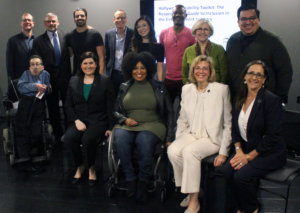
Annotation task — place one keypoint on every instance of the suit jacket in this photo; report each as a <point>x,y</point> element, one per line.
<point>17,56</point>
<point>110,48</point>
<point>60,74</point>
<point>99,105</point>
<point>263,131</point>
<point>217,116</point>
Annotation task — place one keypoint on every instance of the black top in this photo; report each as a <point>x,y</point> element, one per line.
<point>82,42</point>
<point>99,105</point>
<point>156,50</point>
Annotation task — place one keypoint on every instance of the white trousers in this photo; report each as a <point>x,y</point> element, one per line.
<point>186,154</point>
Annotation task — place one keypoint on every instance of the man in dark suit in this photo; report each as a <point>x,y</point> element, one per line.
<point>52,48</point>
<point>19,47</point>
<point>117,44</point>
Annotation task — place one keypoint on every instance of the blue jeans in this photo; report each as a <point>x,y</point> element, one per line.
<point>144,143</point>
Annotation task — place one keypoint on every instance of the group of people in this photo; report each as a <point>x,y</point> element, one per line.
<point>208,80</point>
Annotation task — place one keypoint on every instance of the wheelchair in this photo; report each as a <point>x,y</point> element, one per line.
<point>9,103</point>
<point>161,179</point>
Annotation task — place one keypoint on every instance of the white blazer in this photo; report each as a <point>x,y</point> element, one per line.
<point>217,117</point>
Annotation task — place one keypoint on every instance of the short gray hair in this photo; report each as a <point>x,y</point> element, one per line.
<point>198,24</point>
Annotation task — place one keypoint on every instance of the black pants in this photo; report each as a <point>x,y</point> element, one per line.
<point>117,79</point>
<point>173,88</point>
<point>243,184</point>
<point>53,108</point>
<point>28,126</point>
<point>73,138</point>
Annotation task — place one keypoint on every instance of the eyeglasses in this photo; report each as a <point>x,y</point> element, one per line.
<point>80,15</point>
<point>35,64</point>
<point>27,20</point>
<point>203,29</point>
<point>258,75</point>
<point>51,21</point>
<point>201,68</point>
<point>245,19</point>
<point>120,18</point>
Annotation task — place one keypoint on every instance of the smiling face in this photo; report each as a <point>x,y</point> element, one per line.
<point>80,18</point>
<point>120,19</point>
<point>202,72</point>
<point>255,77</point>
<point>248,22</point>
<point>88,66</point>
<point>143,28</point>
<point>203,33</point>
<point>51,23</point>
<point>178,16</point>
<point>27,23</point>
<point>36,66</point>
<point>139,72</point>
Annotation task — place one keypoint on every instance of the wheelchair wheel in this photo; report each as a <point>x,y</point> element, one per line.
<point>163,195</point>
<point>5,140</point>
<point>48,155</point>
<point>11,160</point>
<point>110,189</point>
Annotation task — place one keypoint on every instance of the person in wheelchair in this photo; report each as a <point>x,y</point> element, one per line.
<point>143,113</point>
<point>33,85</point>
<point>89,103</point>
<point>203,129</point>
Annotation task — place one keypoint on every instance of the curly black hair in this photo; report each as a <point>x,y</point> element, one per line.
<point>131,59</point>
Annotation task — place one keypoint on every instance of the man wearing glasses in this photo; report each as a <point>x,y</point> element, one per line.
<point>255,43</point>
<point>83,38</point>
<point>51,46</point>
<point>19,48</point>
<point>117,44</point>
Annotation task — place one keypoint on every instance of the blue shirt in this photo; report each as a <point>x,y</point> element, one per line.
<point>27,82</point>
<point>120,42</point>
<point>28,41</point>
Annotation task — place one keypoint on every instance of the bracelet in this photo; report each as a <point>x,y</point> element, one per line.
<point>248,157</point>
<point>237,147</point>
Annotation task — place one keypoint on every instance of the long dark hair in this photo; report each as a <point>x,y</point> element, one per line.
<point>243,92</point>
<point>137,39</point>
<point>84,56</point>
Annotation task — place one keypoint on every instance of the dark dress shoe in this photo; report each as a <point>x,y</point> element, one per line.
<point>131,185</point>
<point>92,182</point>
<point>141,194</point>
<point>76,180</point>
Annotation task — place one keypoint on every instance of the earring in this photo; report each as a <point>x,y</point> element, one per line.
<point>245,82</point>
<point>263,85</point>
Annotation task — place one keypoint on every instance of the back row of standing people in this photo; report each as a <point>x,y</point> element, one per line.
<point>176,43</point>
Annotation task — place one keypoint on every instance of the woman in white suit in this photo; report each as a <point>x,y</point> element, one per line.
<point>203,129</point>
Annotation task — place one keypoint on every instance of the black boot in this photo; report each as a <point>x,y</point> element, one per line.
<point>141,194</point>
<point>131,185</point>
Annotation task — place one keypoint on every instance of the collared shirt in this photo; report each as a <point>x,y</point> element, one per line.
<point>243,120</point>
<point>28,41</point>
<point>174,49</point>
<point>120,42</point>
<point>50,35</point>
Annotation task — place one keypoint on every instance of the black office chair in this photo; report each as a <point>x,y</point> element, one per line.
<point>280,182</point>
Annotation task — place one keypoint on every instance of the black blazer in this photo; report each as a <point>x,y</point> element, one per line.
<point>99,105</point>
<point>17,56</point>
<point>110,47</point>
<point>60,75</point>
<point>263,131</point>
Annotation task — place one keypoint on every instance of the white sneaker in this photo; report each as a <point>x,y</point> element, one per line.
<point>185,202</point>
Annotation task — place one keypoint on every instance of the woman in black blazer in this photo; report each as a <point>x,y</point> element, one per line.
<point>256,135</point>
<point>89,104</point>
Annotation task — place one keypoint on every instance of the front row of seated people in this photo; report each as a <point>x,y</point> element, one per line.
<point>144,118</point>
<point>33,85</point>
